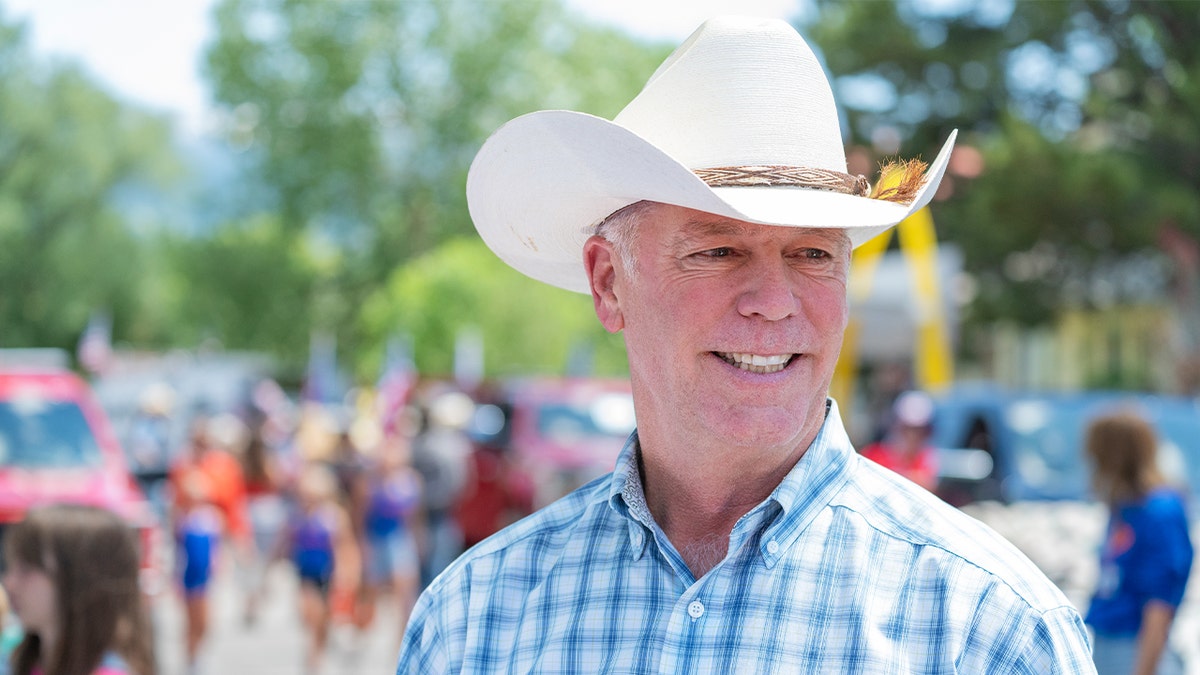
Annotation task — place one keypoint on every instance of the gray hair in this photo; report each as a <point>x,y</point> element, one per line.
<point>621,229</point>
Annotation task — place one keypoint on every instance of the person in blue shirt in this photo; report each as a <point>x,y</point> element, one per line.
<point>712,223</point>
<point>391,524</point>
<point>1147,553</point>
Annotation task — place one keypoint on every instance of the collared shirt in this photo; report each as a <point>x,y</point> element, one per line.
<point>844,568</point>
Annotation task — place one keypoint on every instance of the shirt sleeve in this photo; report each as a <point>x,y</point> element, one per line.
<point>1059,644</point>
<point>422,650</point>
<point>1019,640</point>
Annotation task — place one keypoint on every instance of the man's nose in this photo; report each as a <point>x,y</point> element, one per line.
<point>770,291</point>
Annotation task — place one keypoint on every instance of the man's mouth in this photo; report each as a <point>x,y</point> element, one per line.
<point>758,364</point>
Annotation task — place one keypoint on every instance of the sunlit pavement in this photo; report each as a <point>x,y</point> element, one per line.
<point>275,643</point>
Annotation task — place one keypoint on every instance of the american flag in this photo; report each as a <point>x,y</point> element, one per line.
<point>396,380</point>
<point>322,381</point>
<point>94,350</point>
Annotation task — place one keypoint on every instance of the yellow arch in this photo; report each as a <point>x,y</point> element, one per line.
<point>933,362</point>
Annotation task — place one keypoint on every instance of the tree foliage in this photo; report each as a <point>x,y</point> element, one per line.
<point>1084,113</point>
<point>68,154</point>
<point>357,121</point>
<point>529,327</point>
<point>251,284</point>
<point>362,117</point>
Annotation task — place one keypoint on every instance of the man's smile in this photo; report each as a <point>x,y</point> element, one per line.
<point>759,364</point>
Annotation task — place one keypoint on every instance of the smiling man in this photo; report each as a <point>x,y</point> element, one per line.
<point>712,223</point>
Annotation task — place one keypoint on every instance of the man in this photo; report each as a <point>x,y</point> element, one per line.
<point>740,532</point>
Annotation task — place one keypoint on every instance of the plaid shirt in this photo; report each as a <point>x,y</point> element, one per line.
<point>845,568</point>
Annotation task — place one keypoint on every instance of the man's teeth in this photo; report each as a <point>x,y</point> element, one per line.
<point>757,363</point>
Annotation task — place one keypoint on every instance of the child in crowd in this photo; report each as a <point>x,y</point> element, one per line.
<point>267,511</point>
<point>197,530</point>
<point>320,543</point>
<point>71,573</point>
<point>391,526</point>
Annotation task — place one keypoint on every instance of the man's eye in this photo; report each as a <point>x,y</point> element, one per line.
<point>815,253</point>
<point>720,252</point>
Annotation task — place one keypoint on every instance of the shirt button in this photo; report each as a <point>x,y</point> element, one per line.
<point>696,609</point>
<point>772,547</point>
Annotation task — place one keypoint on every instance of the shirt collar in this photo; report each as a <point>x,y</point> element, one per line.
<point>804,492</point>
<point>810,486</point>
<point>627,498</point>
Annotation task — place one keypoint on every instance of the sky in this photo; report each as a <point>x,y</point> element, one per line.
<point>149,51</point>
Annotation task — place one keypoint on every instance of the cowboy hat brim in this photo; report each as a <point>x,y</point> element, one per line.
<point>541,183</point>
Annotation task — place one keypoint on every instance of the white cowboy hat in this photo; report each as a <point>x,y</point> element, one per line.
<point>743,102</point>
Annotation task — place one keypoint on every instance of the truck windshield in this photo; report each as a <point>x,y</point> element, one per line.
<point>37,433</point>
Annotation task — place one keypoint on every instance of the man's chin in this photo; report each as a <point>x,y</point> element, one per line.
<point>763,429</point>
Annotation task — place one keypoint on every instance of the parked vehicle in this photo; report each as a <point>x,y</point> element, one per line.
<point>56,445</point>
<point>1015,461</point>
<point>558,433</point>
<point>1020,446</point>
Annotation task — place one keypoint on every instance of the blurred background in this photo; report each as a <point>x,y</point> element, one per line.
<point>257,176</point>
<point>253,210</point>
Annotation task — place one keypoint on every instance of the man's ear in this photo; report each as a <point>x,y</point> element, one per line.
<point>599,262</point>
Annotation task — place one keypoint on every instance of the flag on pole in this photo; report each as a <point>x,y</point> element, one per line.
<point>94,350</point>
<point>322,383</point>
<point>468,358</point>
<point>397,378</point>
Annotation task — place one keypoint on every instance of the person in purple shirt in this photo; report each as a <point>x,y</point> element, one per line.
<point>320,544</point>
<point>1147,552</point>
<point>391,524</point>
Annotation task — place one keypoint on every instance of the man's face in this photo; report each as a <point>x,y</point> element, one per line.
<point>732,328</point>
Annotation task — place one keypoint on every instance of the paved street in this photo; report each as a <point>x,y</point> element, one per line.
<point>275,644</point>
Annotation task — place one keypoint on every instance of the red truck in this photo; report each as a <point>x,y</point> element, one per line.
<point>56,445</point>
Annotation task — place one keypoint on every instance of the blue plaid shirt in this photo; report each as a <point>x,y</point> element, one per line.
<point>845,568</point>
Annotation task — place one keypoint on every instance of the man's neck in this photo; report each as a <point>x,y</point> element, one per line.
<point>697,502</point>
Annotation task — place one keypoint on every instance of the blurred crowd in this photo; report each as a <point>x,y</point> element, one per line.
<point>365,501</point>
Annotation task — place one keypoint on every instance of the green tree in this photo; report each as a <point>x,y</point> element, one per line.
<point>527,326</point>
<point>251,284</point>
<point>1084,115</point>
<point>361,118</point>
<point>69,154</point>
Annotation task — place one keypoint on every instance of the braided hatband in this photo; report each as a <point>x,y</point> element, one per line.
<point>788,176</point>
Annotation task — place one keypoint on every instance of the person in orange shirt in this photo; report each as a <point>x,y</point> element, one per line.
<point>906,448</point>
<point>208,503</point>
<point>223,474</point>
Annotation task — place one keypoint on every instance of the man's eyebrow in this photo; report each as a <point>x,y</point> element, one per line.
<point>701,227</point>
<point>696,228</point>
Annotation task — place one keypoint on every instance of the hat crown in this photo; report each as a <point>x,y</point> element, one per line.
<point>740,91</point>
<point>738,99</point>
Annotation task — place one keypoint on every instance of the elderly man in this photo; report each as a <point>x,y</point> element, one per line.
<point>712,222</point>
